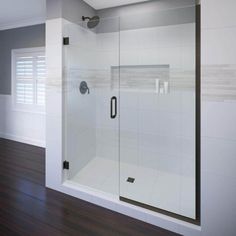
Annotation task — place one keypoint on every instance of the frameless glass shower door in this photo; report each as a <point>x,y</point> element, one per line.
<point>90,105</point>
<point>157,111</point>
<point>130,102</point>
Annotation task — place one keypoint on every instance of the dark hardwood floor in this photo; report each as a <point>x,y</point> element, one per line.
<point>28,208</point>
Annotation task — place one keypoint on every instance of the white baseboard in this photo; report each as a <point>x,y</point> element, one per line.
<point>39,143</point>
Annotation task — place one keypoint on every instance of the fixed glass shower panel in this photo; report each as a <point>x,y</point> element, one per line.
<point>157,110</point>
<point>90,105</point>
<point>130,109</point>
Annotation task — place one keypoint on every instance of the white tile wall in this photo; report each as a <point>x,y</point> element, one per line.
<point>218,47</point>
<point>219,156</point>
<point>218,14</point>
<point>218,121</point>
<point>218,205</point>
<point>155,45</point>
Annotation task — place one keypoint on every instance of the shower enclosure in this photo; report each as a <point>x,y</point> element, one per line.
<point>131,118</point>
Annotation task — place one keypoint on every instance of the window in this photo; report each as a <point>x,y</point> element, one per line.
<point>28,79</point>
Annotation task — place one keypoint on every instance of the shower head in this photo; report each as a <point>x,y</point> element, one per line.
<point>93,21</point>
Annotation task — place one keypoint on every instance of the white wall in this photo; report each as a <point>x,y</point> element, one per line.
<point>218,118</point>
<point>54,152</point>
<point>22,126</point>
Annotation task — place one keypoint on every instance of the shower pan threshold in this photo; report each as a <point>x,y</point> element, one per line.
<point>100,177</point>
<point>112,202</point>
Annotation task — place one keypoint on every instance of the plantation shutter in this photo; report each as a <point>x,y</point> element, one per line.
<point>30,76</point>
<point>24,79</point>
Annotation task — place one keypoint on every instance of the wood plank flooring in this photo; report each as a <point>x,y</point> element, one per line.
<point>28,208</point>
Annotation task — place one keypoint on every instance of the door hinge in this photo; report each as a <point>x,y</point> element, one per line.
<point>66,165</point>
<point>66,41</point>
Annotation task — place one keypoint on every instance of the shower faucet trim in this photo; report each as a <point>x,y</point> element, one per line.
<point>84,87</point>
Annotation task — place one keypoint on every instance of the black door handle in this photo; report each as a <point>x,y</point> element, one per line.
<point>113,105</point>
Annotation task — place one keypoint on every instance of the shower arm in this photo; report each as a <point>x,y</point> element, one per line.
<point>85,18</point>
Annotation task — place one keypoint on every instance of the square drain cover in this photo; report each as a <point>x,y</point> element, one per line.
<point>130,180</point>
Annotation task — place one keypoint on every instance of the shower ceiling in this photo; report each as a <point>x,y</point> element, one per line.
<point>100,4</point>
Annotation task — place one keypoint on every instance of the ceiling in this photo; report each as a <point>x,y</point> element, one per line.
<point>15,13</point>
<point>100,4</point>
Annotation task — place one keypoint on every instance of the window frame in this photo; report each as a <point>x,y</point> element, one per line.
<point>32,108</point>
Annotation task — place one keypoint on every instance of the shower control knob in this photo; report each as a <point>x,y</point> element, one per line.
<point>84,87</point>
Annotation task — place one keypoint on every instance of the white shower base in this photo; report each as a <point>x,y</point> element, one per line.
<point>163,190</point>
<point>101,174</point>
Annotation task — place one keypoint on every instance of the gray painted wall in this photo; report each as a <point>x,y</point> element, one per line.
<point>132,16</point>
<point>145,7</point>
<point>53,9</point>
<point>71,10</point>
<point>25,37</point>
<point>147,14</point>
